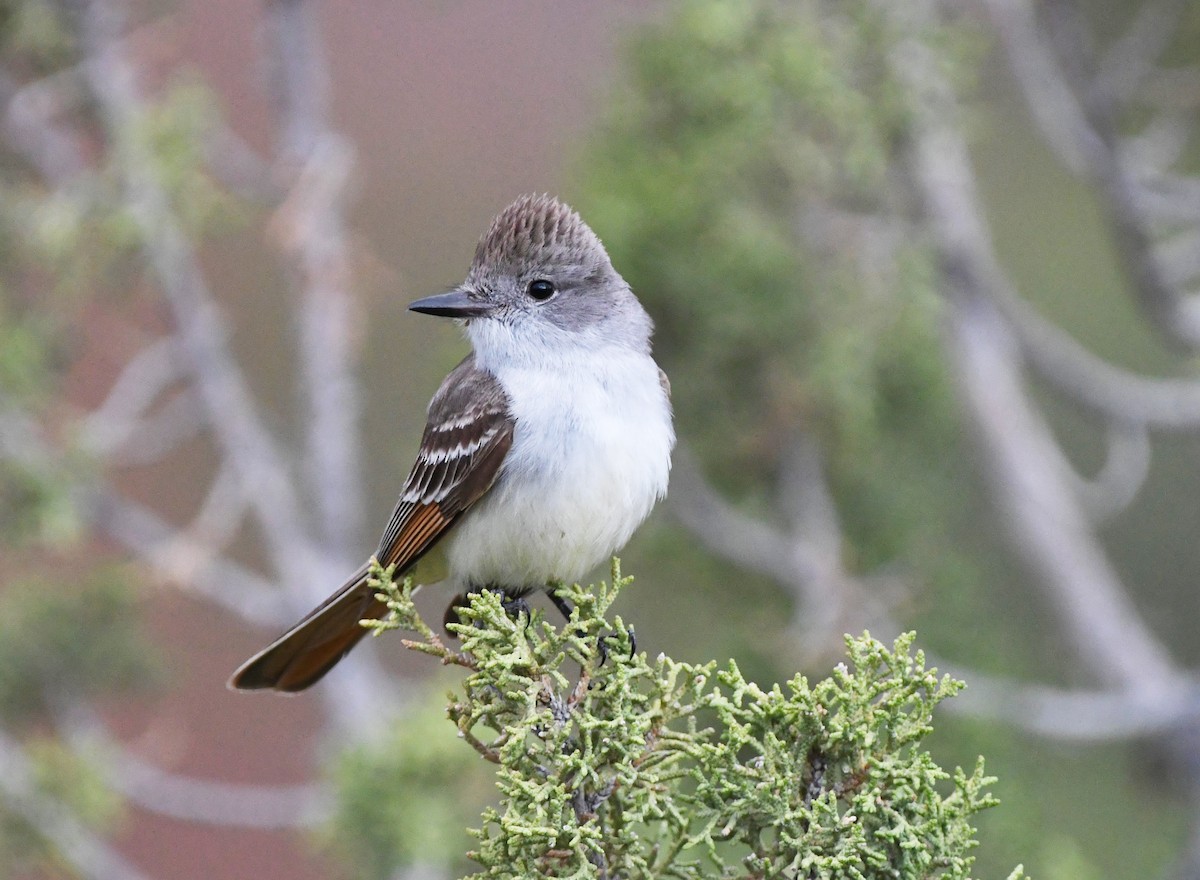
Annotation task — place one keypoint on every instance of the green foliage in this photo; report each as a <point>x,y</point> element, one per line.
<point>70,779</point>
<point>81,237</point>
<point>177,130</point>
<point>729,185</point>
<point>62,643</point>
<point>609,764</point>
<point>24,350</point>
<point>35,504</point>
<point>745,184</point>
<point>74,780</point>
<point>381,823</point>
<point>35,34</point>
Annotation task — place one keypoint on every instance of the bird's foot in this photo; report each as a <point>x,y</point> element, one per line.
<point>602,644</point>
<point>514,606</point>
<point>565,608</point>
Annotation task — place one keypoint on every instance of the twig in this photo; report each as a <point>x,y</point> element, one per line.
<point>310,225</point>
<point>201,572</point>
<point>227,401</point>
<point>1023,463</point>
<point>1131,58</point>
<point>1122,475</point>
<point>145,377</point>
<point>160,433</point>
<point>1075,715</point>
<point>1172,404</point>
<point>804,560</point>
<point>1047,93</point>
<point>1082,128</point>
<point>732,534</point>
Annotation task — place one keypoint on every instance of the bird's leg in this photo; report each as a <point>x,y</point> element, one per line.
<point>452,615</point>
<point>564,607</point>
<point>513,603</point>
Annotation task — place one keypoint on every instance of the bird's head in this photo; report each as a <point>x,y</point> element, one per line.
<point>541,279</point>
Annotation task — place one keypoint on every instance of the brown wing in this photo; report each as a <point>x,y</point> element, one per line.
<point>466,438</point>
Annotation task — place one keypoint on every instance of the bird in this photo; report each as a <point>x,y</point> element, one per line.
<point>543,450</point>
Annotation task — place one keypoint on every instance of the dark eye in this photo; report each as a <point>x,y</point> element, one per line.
<point>541,289</point>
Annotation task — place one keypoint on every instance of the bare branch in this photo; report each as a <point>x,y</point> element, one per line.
<point>194,568</point>
<point>1168,198</point>
<point>1090,380</point>
<point>1048,527</point>
<point>1174,90</point>
<point>807,564</point>
<point>161,432</point>
<point>1131,58</point>
<point>218,519</point>
<point>1023,462</point>
<point>311,228</point>
<point>1121,477</point>
<point>816,533</point>
<point>1084,132</point>
<point>239,805</point>
<point>1180,255</point>
<point>315,163</point>
<point>1077,715</point>
<point>236,165</point>
<point>231,412</point>
<point>142,380</point>
<point>232,804</point>
<point>737,537</point>
<point>1047,93</point>
<point>1161,143</point>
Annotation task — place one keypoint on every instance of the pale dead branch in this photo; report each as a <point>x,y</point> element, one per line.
<point>207,801</point>
<point>231,411</point>
<point>1021,458</point>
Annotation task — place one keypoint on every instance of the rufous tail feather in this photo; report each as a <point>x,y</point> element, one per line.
<point>301,656</point>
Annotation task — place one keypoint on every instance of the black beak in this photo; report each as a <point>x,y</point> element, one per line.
<point>455,304</point>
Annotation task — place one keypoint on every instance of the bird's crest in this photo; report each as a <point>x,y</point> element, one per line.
<point>534,230</point>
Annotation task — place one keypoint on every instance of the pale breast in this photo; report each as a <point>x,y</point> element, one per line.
<point>590,457</point>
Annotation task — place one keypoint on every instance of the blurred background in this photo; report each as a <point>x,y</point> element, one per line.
<point>925,280</point>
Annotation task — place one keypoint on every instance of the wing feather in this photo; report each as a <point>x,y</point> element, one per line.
<point>467,436</point>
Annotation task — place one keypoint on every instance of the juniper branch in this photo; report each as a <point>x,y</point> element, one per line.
<point>610,764</point>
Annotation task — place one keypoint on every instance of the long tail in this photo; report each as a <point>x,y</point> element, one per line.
<point>298,658</point>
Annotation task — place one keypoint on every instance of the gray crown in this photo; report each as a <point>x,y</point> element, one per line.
<point>536,230</point>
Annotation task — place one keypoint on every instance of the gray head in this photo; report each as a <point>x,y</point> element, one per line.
<point>541,279</point>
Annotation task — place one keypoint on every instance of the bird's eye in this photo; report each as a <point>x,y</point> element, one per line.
<point>541,289</point>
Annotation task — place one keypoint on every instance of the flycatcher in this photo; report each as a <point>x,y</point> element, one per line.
<point>543,450</point>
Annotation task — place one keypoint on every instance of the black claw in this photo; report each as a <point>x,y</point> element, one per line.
<point>602,645</point>
<point>515,606</point>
